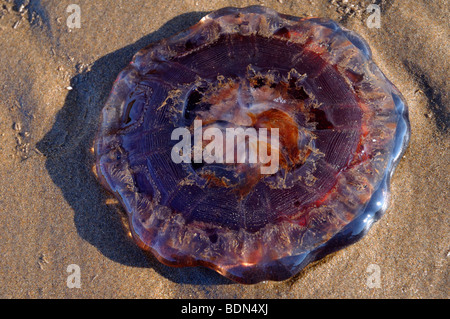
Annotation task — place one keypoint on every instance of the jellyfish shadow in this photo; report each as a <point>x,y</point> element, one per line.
<point>69,161</point>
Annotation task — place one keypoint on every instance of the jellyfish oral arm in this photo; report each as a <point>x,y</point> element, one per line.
<point>240,145</point>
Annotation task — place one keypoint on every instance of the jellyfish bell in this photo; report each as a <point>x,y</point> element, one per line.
<point>340,129</point>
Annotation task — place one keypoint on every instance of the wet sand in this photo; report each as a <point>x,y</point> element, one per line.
<point>53,84</point>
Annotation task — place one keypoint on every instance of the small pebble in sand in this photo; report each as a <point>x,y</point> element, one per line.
<point>17,127</point>
<point>16,25</point>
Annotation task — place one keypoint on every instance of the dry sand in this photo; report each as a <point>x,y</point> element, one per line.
<point>53,213</point>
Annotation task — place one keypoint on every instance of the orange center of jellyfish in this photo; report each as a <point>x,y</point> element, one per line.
<point>253,103</point>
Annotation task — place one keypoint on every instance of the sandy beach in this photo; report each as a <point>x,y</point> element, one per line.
<point>54,81</point>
